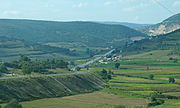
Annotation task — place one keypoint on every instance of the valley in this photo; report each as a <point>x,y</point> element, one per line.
<point>131,85</point>
<point>89,64</point>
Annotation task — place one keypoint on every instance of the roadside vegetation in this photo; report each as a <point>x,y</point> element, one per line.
<point>132,83</point>
<point>25,66</point>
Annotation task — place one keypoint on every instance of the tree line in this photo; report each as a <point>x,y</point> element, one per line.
<point>28,66</point>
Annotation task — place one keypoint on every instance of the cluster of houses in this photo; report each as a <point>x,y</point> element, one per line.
<point>114,58</point>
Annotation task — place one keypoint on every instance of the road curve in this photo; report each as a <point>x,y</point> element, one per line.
<point>93,60</point>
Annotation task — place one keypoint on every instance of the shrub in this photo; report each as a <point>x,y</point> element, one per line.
<point>3,69</point>
<point>117,65</point>
<point>157,102</point>
<point>171,80</point>
<point>154,100</point>
<point>119,106</point>
<point>151,77</point>
<point>78,68</point>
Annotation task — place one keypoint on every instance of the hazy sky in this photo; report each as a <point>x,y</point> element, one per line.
<point>137,11</point>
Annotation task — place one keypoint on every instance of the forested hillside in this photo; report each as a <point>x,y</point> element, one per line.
<point>88,33</point>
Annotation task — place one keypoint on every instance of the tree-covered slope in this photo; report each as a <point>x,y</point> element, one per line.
<point>169,41</point>
<point>169,25</point>
<point>88,33</point>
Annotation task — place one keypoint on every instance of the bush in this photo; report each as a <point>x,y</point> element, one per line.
<point>78,68</point>
<point>117,65</point>
<point>3,69</point>
<point>171,80</point>
<point>119,106</point>
<point>154,99</point>
<point>151,77</point>
<point>157,102</point>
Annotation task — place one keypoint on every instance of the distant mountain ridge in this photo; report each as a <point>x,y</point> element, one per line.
<point>169,25</point>
<point>131,25</point>
<point>88,33</point>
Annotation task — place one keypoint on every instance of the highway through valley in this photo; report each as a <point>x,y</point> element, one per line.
<point>61,74</point>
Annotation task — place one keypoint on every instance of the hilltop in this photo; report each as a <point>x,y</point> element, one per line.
<point>169,25</point>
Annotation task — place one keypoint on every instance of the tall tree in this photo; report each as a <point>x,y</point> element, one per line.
<point>171,80</point>
<point>27,69</point>
<point>117,65</point>
<point>151,77</point>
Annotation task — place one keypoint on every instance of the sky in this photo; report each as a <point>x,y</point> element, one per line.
<point>134,11</point>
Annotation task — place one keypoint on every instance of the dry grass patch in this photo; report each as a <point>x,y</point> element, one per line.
<point>104,98</point>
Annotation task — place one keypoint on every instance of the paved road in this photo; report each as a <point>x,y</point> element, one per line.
<point>49,75</point>
<point>81,65</point>
<point>93,60</point>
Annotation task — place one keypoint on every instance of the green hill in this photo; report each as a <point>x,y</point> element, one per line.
<point>86,33</point>
<point>169,25</point>
<point>169,42</point>
<point>24,89</point>
<point>11,48</point>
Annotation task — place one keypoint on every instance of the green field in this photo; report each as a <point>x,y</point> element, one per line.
<point>131,80</point>
<point>130,86</point>
<point>91,100</point>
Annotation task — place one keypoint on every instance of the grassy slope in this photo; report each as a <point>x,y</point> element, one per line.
<point>166,44</point>
<point>11,48</point>
<point>129,83</point>
<point>91,100</point>
<point>46,87</point>
<point>131,80</point>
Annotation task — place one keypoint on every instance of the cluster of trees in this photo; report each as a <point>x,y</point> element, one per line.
<point>117,65</point>
<point>151,77</point>
<point>106,75</point>
<point>175,60</point>
<point>171,80</point>
<point>27,65</point>
<point>155,100</point>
